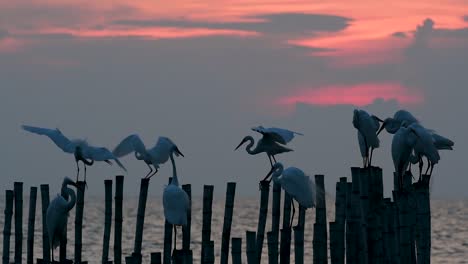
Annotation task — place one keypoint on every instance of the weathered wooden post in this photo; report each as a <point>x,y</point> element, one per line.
<point>155,258</point>
<point>208,253</point>
<point>18,191</point>
<point>363,180</point>
<point>7,226</point>
<point>352,224</point>
<point>275,214</point>
<point>187,229</point>
<point>299,237</point>
<point>81,185</point>
<point>207,211</point>
<point>228,211</point>
<point>373,186</point>
<point>285,244</point>
<point>118,220</point>
<point>107,220</point>
<point>423,218</point>
<point>31,224</point>
<point>272,248</point>
<point>404,228</point>
<point>320,226</point>
<point>167,251</point>
<point>262,216</point>
<point>340,218</point>
<point>334,252</point>
<point>45,236</point>
<point>388,232</point>
<point>251,250</point>
<point>140,219</point>
<point>236,250</point>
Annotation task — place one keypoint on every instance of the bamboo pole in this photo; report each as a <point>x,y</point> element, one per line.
<point>81,185</point>
<point>340,218</point>
<point>155,258</point>
<point>45,235</point>
<point>107,220</point>
<point>18,191</point>
<point>228,211</point>
<point>276,212</point>
<point>140,219</point>
<point>352,224</point>
<point>251,248</point>
<point>404,228</point>
<point>272,247</point>
<point>299,244</point>
<point>423,218</point>
<point>236,250</point>
<point>320,226</point>
<point>363,205</point>
<point>264,194</point>
<point>207,211</point>
<point>31,224</point>
<point>396,228</point>
<point>167,239</point>
<point>285,244</point>
<point>119,182</point>
<point>208,253</point>
<point>187,229</point>
<point>334,251</point>
<point>7,226</point>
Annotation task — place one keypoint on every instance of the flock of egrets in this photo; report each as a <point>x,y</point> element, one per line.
<point>411,142</point>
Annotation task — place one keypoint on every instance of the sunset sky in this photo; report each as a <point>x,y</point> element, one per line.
<point>204,72</point>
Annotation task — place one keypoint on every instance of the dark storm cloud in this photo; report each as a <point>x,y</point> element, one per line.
<point>400,34</point>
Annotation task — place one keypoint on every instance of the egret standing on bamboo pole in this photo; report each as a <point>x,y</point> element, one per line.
<point>159,154</point>
<point>80,148</point>
<point>176,202</point>
<point>367,126</point>
<point>272,142</point>
<point>57,213</point>
<point>298,185</point>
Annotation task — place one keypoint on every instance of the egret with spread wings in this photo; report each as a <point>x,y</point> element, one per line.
<point>159,154</point>
<point>272,143</point>
<point>79,148</point>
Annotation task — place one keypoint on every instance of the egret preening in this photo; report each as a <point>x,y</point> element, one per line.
<point>176,202</point>
<point>424,147</point>
<point>155,156</point>
<point>80,148</point>
<point>298,185</point>
<point>57,214</point>
<point>367,127</point>
<point>272,142</point>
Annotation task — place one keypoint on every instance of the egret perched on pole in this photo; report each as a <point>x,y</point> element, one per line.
<point>424,147</point>
<point>159,154</point>
<point>176,202</point>
<point>272,142</point>
<point>80,148</point>
<point>57,214</point>
<point>367,126</point>
<point>296,183</point>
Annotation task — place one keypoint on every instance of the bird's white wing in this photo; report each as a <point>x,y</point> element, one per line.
<point>101,154</point>
<point>442,142</point>
<point>279,135</point>
<point>425,142</point>
<point>299,186</point>
<point>362,144</point>
<point>403,115</point>
<point>55,135</point>
<point>176,204</point>
<point>128,145</point>
<point>366,125</point>
<point>161,151</point>
<point>56,220</point>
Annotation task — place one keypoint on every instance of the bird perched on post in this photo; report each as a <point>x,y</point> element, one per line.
<point>296,183</point>
<point>57,214</point>
<point>367,126</point>
<point>159,154</point>
<point>272,142</point>
<point>80,148</point>
<point>176,202</point>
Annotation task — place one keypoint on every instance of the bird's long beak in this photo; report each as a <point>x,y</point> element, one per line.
<point>177,151</point>
<point>382,127</point>
<point>380,120</point>
<point>242,142</point>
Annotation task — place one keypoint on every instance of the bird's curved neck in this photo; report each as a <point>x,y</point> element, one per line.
<point>72,197</point>
<point>249,146</point>
<point>89,163</point>
<point>139,156</point>
<point>175,180</point>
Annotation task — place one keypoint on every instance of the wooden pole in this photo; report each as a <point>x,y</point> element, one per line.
<point>107,220</point>
<point>140,218</point>
<point>208,253</point>
<point>81,186</point>
<point>31,224</point>
<point>352,224</point>
<point>7,226</point>
<point>320,227</point>
<point>272,248</point>
<point>298,245</point>
<point>404,229</point>
<point>118,220</point>
<point>236,250</point>
<point>264,194</point>
<point>187,229</point>
<point>228,211</point>
<point>334,251</point>
<point>155,258</point>
<point>423,218</point>
<point>276,212</point>
<point>363,205</point>
<point>45,235</point>
<point>251,247</point>
<point>207,211</point>
<point>340,218</point>
<point>285,244</point>
<point>167,239</point>
<point>18,191</point>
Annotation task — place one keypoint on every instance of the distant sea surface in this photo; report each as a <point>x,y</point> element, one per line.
<point>449,229</point>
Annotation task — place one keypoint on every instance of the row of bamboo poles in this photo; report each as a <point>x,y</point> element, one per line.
<point>368,228</point>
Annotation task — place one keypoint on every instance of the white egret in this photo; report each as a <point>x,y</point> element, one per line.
<point>176,202</point>
<point>80,148</point>
<point>272,142</point>
<point>424,146</point>
<point>57,214</point>
<point>367,126</point>
<point>159,154</point>
<point>298,185</point>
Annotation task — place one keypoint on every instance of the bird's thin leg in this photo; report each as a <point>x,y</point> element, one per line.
<point>154,173</point>
<point>151,170</point>
<point>271,163</point>
<point>293,212</point>
<point>274,159</point>
<point>432,167</point>
<point>77,170</point>
<point>175,237</point>
<point>421,164</point>
<point>86,184</point>
<point>370,159</point>
<point>52,249</point>
<point>428,166</point>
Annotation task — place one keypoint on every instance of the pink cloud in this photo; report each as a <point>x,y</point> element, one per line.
<point>358,95</point>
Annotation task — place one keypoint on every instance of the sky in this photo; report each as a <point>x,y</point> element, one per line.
<point>204,72</point>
